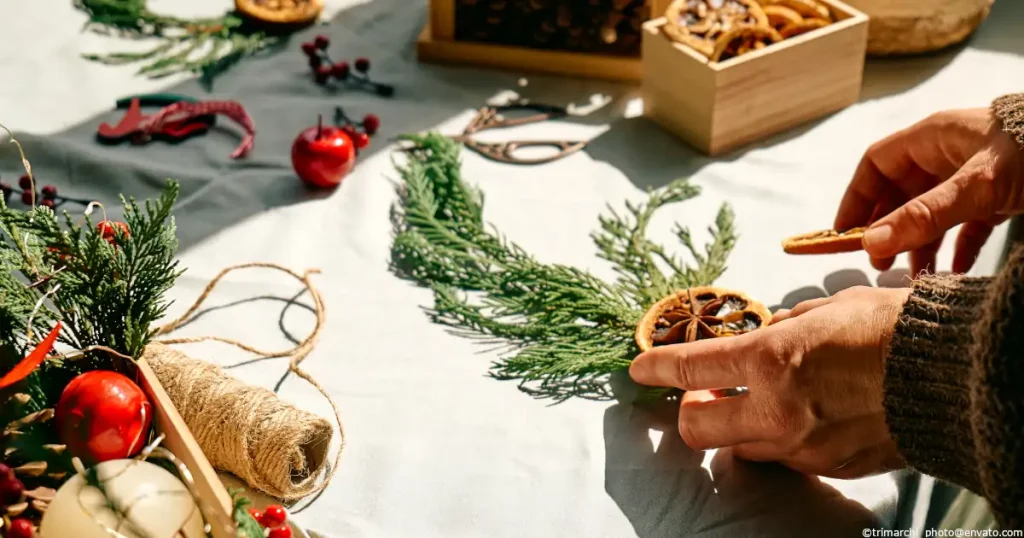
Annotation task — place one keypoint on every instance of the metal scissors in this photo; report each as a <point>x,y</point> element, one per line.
<point>493,117</point>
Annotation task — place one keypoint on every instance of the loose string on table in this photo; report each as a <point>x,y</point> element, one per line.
<point>297,354</point>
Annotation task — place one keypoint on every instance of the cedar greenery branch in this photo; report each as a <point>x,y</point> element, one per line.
<point>107,295</point>
<point>565,331</point>
<point>206,46</point>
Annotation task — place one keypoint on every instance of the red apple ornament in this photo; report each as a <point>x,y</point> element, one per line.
<point>103,416</point>
<point>323,155</point>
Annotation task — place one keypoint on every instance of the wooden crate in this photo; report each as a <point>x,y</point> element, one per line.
<point>179,440</point>
<point>437,44</point>
<point>721,106</point>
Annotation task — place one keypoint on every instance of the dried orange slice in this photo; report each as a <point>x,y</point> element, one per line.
<point>802,27</point>
<point>286,12</point>
<point>698,313</point>
<point>825,242</point>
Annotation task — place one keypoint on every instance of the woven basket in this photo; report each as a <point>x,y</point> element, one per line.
<point>916,26</point>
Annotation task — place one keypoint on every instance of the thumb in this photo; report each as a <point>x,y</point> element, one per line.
<point>928,217</point>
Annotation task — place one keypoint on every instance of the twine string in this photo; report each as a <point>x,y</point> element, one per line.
<point>296,354</point>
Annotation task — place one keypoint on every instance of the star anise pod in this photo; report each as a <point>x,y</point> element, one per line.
<point>699,313</point>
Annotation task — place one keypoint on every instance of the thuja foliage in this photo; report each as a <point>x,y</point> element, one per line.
<point>566,329</point>
<point>205,46</point>
<point>104,293</point>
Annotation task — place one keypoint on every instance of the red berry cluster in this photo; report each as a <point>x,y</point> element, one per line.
<point>325,70</point>
<point>359,131</point>
<point>12,492</point>
<point>108,229</point>
<point>273,517</point>
<point>47,196</point>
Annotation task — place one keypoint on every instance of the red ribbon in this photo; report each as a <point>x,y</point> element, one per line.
<point>183,110</point>
<point>29,364</point>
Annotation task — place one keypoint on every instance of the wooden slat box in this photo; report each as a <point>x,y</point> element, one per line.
<point>720,106</point>
<point>178,439</point>
<point>438,43</point>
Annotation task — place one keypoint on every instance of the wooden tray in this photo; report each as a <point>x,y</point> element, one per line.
<point>178,439</point>
<point>717,107</point>
<point>437,44</point>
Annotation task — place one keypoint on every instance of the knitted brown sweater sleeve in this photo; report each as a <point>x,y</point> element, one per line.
<point>1010,110</point>
<point>954,385</point>
<point>954,379</point>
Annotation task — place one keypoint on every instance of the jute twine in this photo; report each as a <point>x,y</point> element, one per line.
<point>245,430</point>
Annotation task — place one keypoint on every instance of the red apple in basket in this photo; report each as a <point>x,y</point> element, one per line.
<point>103,415</point>
<point>323,155</point>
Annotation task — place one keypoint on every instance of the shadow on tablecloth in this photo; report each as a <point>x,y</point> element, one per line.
<point>664,491</point>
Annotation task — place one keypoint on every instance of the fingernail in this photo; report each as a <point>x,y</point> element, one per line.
<point>877,238</point>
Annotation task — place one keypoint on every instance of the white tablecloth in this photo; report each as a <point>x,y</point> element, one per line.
<point>435,448</point>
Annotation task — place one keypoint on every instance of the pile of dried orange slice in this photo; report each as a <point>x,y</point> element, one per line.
<point>723,29</point>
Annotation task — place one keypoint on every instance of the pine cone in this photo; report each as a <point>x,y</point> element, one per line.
<point>19,453</point>
<point>595,26</point>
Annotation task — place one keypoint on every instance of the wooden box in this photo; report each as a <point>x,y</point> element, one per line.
<point>721,106</point>
<point>178,439</point>
<point>438,43</point>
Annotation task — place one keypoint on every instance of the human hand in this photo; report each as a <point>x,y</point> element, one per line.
<point>814,378</point>
<point>955,167</point>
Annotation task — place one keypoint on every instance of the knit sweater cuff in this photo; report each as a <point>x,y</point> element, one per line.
<point>927,392</point>
<point>1010,111</point>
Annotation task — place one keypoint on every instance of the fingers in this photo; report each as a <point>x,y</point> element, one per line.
<point>801,308</point>
<point>883,160</point>
<point>721,422</point>
<point>781,315</point>
<point>926,218</point>
<point>893,200</point>
<point>969,241</point>
<point>705,364</point>
<point>923,259</point>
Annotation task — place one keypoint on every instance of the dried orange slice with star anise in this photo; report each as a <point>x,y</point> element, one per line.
<point>698,313</point>
<point>285,12</point>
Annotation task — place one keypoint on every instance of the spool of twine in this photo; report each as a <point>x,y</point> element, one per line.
<point>244,429</point>
<point>247,430</point>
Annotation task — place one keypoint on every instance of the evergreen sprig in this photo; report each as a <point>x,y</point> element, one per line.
<point>567,330</point>
<point>203,46</point>
<point>106,294</point>
<point>248,527</point>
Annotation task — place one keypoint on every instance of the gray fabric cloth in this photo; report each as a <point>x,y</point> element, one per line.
<point>436,448</point>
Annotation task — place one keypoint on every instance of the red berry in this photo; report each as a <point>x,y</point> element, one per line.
<point>340,70</point>
<point>361,140</point>
<point>315,62</point>
<point>321,42</point>
<point>257,515</point>
<point>49,191</point>
<point>371,123</point>
<point>25,182</point>
<point>21,528</point>
<point>11,490</point>
<point>309,49</point>
<point>323,74</point>
<point>6,471</point>
<point>274,516</point>
<point>281,532</point>
<point>47,202</point>
<point>27,198</point>
<point>362,65</point>
<point>108,230</point>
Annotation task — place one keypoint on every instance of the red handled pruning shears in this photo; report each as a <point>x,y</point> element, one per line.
<point>129,128</point>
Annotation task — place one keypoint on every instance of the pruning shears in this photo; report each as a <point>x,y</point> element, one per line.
<point>129,127</point>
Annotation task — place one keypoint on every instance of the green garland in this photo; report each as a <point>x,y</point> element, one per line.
<point>203,46</point>
<point>568,331</point>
